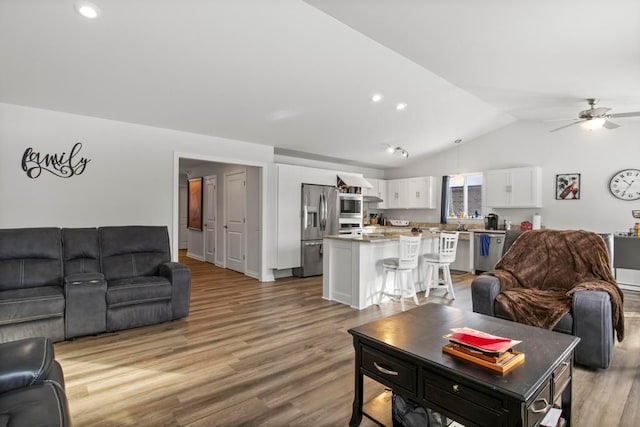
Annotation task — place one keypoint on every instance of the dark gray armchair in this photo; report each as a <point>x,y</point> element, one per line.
<point>143,285</point>
<point>590,317</point>
<point>32,389</point>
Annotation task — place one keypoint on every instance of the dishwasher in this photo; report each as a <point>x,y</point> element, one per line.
<point>487,262</point>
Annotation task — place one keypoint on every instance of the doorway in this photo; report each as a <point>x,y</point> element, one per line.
<point>250,249</point>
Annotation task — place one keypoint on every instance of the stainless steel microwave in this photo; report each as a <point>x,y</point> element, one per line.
<point>350,205</point>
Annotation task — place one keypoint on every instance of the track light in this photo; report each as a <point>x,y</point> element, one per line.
<point>397,150</point>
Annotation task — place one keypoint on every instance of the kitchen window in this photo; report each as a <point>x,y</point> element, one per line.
<point>463,196</point>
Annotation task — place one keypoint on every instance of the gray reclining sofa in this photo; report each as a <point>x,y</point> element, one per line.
<point>590,317</point>
<point>65,283</point>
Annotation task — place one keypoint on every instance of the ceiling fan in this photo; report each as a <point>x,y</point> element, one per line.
<point>595,118</point>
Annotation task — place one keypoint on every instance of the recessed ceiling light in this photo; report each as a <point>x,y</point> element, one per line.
<point>376,97</point>
<point>87,9</point>
<point>401,106</point>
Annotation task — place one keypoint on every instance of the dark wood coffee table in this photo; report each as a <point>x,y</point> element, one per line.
<point>404,352</point>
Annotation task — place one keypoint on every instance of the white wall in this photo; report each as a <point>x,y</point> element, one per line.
<point>596,155</point>
<point>129,180</point>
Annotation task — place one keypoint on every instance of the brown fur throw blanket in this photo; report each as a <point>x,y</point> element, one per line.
<point>543,268</point>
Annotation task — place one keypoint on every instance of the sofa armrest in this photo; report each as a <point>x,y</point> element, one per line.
<point>180,277</point>
<point>593,324</point>
<point>24,363</point>
<point>484,290</point>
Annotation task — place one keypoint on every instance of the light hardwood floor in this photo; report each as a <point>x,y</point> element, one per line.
<point>274,354</point>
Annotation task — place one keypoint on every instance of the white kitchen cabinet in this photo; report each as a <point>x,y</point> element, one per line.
<point>513,188</point>
<point>382,193</point>
<point>420,193</point>
<point>379,189</point>
<point>397,194</point>
<point>411,193</point>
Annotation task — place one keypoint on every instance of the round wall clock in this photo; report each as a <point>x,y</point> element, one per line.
<point>625,185</point>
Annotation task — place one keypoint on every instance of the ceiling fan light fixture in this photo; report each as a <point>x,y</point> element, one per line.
<point>595,123</point>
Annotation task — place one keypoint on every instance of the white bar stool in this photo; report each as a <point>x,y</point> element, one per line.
<point>407,261</point>
<point>441,260</point>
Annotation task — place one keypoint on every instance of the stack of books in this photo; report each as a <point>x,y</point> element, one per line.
<point>481,348</point>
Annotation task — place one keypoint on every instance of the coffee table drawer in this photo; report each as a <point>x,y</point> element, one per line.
<point>473,404</point>
<point>390,370</point>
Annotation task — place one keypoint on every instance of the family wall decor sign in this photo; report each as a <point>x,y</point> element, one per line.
<point>62,165</point>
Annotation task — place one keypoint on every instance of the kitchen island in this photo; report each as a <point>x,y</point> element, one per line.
<point>352,266</point>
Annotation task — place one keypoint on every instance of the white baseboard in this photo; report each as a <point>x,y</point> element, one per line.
<point>194,256</point>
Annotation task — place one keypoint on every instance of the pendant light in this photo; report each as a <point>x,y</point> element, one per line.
<point>457,177</point>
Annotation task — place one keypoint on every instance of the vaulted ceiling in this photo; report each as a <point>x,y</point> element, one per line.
<point>299,75</point>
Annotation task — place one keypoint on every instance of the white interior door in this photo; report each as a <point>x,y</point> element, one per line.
<point>235,220</point>
<point>183,231</point>
<point>210,212</point>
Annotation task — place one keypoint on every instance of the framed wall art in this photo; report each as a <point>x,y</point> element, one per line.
<point>194,201</point>
<point>568,186</point>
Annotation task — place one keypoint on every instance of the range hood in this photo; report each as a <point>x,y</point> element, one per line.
<point>354,181</point>
<point>372,199</point>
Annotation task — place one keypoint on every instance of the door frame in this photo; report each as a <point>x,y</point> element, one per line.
<point>224,219</point>
<point>266,273</point>
<point>215,221</point>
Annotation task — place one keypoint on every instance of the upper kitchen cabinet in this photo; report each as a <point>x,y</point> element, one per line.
<point>378,189</point>
<point>421,193</point>
<point>513,188</point>
<point>411,193</point>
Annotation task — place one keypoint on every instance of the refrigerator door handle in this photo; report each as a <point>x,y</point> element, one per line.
<point>322,212</point>
<point>305,215</point>
<point>325,215</point>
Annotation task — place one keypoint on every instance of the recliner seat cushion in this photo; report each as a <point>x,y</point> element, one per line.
<point>22,305</point>
<point>137,290</point>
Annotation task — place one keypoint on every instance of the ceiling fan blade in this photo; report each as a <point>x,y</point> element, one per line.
<point>566,126</point>
<point>634,114</point>
<point>610,125</point>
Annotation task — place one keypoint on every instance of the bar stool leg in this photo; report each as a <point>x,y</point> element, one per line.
<point>401,289</point>
<point>413,287</point>
<point>383,286</point>
<point>428,279</point>
<point>447,278</point>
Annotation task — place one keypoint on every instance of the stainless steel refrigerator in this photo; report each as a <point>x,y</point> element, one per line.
<point>319,217</point>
